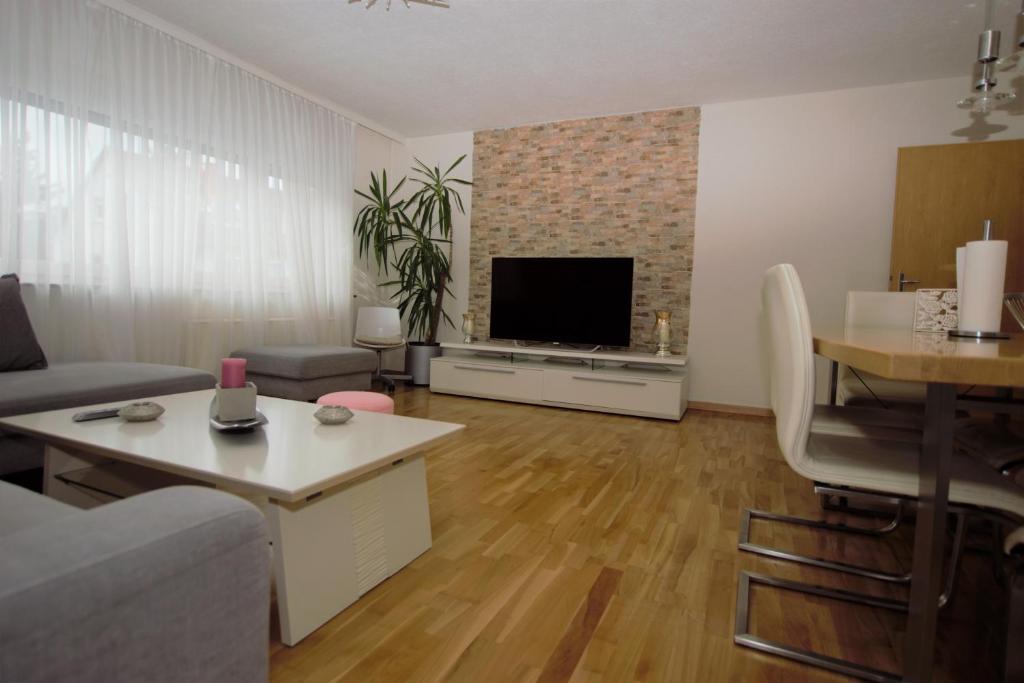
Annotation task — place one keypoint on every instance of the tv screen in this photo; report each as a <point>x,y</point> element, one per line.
<point>564,300</point>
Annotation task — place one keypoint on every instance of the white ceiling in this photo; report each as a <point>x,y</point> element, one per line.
<point>497,63</point>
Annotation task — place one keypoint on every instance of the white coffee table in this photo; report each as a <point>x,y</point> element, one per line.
<point>346,504</point>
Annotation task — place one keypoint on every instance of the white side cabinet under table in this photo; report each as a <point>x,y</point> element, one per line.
<point>630,383</point>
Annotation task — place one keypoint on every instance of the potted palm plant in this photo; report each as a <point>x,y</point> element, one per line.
<point>412,237</point>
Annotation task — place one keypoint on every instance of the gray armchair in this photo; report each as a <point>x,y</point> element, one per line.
<point>171,585</point>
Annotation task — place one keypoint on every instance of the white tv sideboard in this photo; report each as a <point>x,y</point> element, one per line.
<point>629,383</point>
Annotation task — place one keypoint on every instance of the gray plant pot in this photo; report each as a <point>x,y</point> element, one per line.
<point>417,361</point>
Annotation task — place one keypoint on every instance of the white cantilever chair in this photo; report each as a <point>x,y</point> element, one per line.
<point>867,422</point>
<point>379,328</point>
<point>891,310</point>
<point>886,469</point>
<point>999,444</point>
<point>1013,657</point>
<point>863,412</point>
<point>995,442</point>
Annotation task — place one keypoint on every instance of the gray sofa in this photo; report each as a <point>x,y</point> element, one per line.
<point>29,384</point>
<point>172,585</point>
<point>305,372</point>
<point>69,385</point>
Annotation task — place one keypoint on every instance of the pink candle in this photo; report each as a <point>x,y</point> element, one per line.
<point>232,373</point>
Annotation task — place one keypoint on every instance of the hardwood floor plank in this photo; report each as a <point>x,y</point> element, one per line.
<point>584,547</point>
<point>576,638</point>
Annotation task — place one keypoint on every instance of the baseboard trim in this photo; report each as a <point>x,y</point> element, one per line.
<point>729,408</point>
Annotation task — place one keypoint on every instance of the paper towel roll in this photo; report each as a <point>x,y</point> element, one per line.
<point>981,299</point>
<point>961,254</point>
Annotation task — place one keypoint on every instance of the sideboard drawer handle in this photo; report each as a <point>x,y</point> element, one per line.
<point>610,381</point>
<point>478,368</point>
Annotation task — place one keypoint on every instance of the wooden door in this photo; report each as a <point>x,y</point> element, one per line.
<point>943,194</point>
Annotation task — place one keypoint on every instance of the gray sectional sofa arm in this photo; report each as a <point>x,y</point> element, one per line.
<point>172,585</point>
<point>70,385</point>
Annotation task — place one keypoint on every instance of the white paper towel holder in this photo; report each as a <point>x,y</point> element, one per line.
<point>979,335</point>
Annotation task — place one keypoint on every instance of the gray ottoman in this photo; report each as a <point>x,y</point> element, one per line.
<point>307,372</point>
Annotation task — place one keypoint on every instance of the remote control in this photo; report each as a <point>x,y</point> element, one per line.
<point>100,414</point>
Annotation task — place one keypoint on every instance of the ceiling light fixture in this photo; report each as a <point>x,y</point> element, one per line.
<point>987,98</point>
<point>387,3</point>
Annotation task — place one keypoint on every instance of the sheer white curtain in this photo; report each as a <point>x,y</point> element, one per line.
<point>161,204</point>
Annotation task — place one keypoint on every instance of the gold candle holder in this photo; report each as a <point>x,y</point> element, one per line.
<point>468,327</point>
<point>662,333</point>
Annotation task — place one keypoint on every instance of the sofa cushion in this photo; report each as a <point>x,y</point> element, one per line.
<point>21,509</point>
<point>19,349</point>
<point>69,385</point>
<point>309,389</point>
<point>307,361</point>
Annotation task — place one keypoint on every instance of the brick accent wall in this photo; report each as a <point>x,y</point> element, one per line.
<point>610,186</point>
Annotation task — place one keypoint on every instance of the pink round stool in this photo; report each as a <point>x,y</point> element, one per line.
<point>359,400</point>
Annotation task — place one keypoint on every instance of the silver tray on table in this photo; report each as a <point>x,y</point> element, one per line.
<point>232,426</point>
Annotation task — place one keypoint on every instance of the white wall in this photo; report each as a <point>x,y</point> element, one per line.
<point>809,180</point>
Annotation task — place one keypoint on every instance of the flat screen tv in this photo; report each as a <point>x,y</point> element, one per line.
<point>562,300</point>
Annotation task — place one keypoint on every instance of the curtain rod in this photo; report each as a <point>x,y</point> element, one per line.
<point>178,33</point>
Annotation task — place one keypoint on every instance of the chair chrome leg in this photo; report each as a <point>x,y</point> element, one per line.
<point>1013,656</point>
<point>953,571</point>
<point>819,487</point>
<point>743,637</point>
<point>828,492</point>
<point>832,503</point>
<point>998,565</point>
<point>747,546</point>
<point>1009,468</point>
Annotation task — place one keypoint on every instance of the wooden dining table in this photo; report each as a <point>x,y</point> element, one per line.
<point>944,364</point>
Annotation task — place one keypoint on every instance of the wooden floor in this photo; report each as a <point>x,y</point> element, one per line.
<point>574,546</point>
